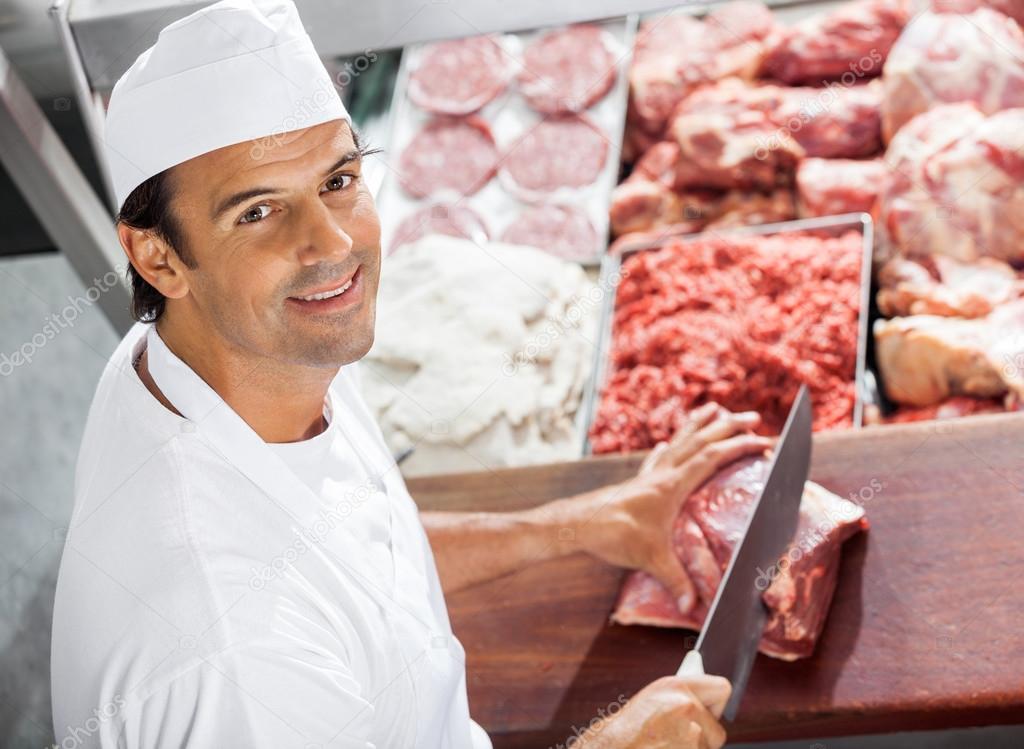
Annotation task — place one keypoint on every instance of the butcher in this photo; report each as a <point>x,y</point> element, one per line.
<point>244,566</point>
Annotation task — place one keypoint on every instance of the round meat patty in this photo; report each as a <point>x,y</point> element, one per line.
<point>566,151</point>
<point>568,70</point>
<point>449,155</point>
<point>460,76</point>
<point>563,231</point>
<point>440,218</point>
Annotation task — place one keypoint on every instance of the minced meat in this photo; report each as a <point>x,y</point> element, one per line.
<point>741,321</point>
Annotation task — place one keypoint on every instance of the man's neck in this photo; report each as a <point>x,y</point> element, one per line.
<point>280,403</point>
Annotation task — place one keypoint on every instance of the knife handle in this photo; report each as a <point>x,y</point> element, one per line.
<point>692,665</point>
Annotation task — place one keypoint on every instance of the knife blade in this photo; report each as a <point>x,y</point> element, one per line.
<point>732,630</point>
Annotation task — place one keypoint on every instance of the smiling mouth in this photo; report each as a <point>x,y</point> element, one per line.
<point>328,294</point>
<point>342,296</point>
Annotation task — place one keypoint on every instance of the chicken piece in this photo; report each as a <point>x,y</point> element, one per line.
<point>940,285</point>
<point>925,359</point>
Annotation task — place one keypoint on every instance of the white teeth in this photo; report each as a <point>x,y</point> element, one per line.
<point>326,294</point>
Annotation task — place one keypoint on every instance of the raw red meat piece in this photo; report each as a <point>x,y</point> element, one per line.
<point>440,218</point>
<point>448,154</point>
<point>850,42</point>
<point>740,208</point>
<point>947,57</point>
<point>1012,8</point>
<point>565,151</point>
<point>741,321</point>
<point>563,231</point>
<point>797,590</point>
<point>460,76</point>
<point>956,185</point>
<point>568,70</point>
<point>836,121</point>
<point>729,137</point>
<point>675,53</point>
<point>826,187</point>
<point>941,285</point>
<point>951,408</point>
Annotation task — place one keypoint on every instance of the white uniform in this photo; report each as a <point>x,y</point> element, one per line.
<point>217,591</point>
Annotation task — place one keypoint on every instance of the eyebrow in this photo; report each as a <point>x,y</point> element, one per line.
<point>232,201</point>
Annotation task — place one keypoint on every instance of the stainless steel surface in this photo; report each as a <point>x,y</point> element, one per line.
<point>60,196</point>
<point>732,630</point>
<point>832,225</point>
<point>111,33</point>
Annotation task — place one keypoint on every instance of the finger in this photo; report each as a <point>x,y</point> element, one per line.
<point>684,442</point>
<point>693,736</point>
<point>700,417</point>
<point>725,425</point>
<point>654,457</point>
<point>712,691</point>
<point>705,463</point>
<point>711,729</point>
<point>729,425</point>
<point>670,572</point>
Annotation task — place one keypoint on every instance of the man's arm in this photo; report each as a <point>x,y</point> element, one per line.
<point>628,524</point>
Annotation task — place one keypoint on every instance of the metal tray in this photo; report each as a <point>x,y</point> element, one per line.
<point>509,116</point>
<point>830,225</point>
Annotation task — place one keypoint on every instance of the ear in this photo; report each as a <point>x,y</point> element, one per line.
<point>155,260</point>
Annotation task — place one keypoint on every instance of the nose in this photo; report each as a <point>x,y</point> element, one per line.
<point>325,239</point>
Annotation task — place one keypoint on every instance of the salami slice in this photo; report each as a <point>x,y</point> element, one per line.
<point>460,76</point>
<point>563,231</point>
<point>440,218</point>
<point>448,155</point>
<point>568,70</point>
<point>564,151</point>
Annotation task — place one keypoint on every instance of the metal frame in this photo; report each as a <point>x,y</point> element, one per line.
<point>60,195</point>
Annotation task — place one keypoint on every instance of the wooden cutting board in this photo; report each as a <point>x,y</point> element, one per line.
<point>926,629</point>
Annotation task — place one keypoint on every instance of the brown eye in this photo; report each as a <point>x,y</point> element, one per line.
<point>338,182</point>
<point>256,213</point>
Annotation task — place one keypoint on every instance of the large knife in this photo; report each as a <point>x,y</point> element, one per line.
<point>732,630</point>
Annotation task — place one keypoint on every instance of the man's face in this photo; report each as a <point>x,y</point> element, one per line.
<point>271,223</point>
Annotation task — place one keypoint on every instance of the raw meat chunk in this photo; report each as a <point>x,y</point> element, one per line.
<point>459,76</point>
<point>676,52</point>
<point>568,70</point>
<point>925,359</point>
<point>940,285</point>
<point>827,187</point>
<point>797,591</point>
<point>1012,8</point>
<point>956,185</point>
<point>740,208</point>
<point>944,58</point>
<point>952,408</point>
<point>741,321</point>
<point>834,122</point>
<point>729,137</point>
<point>852,40</point>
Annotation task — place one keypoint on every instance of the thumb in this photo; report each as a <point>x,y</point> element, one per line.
<point>712,691</point>
<point>670,573</point>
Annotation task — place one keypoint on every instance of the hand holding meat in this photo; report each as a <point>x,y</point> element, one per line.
<point>630,524</point>
<point>671,713</point>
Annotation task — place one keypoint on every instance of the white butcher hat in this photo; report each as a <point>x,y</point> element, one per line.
<point>234,71</point>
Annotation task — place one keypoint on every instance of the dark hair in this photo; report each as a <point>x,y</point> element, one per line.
<point>148,207</point>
